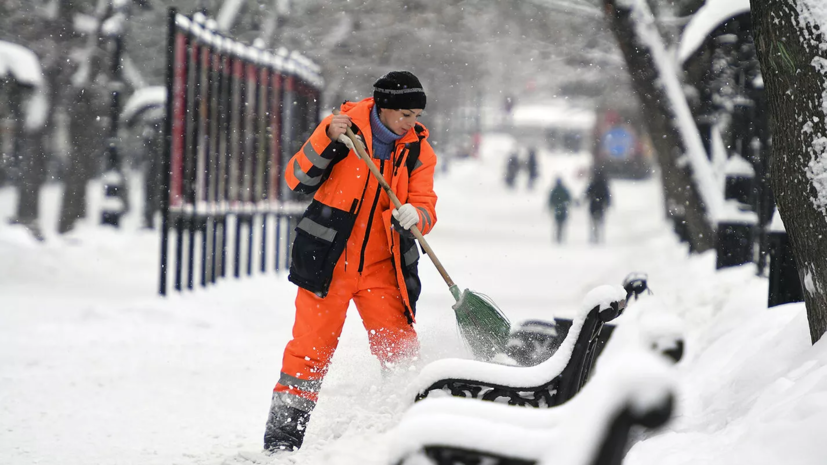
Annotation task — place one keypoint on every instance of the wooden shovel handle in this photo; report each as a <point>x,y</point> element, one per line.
<point>396,203</point>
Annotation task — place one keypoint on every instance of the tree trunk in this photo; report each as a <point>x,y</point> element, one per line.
<point>32,175</point>
<point>86,149</point>
<point>28,161</point>
<point>14,162</point>
<point>85,106</point>
<point>794,75</point>
<point>680,196</point>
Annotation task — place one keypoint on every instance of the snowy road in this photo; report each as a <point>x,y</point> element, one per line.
<point>96,369</point>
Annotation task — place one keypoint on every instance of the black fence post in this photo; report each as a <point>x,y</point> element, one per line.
<point>205,172</point>
<point>759,149</point>
<point>226,144</point>
<point>735,235</point>
<point>784,281</point>
<point>216,121</point>
<point>223,261</point>
<point>239,219</point>
<point>263,149</point>
<point>216,74</point>
<point>733,243</point>
<point>265,218</point>
<point>739,187</point>
<point>179,250</point>
<point>203,228</point>
<point>165,163</point>
<point>251,221</point>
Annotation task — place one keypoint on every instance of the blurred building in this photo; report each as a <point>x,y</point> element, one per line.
<point>555,126</point>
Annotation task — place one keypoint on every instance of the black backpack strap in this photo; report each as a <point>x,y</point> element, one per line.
<point>414,149</point>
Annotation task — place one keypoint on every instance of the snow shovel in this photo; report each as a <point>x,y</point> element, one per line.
<point>481,323</point>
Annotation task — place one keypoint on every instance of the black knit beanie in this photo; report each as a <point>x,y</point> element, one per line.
<point>399,90</point>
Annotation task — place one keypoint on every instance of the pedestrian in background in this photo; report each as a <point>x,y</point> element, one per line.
<point>512,169</point>
<point>531,167</point>
<point>599,199</point>
<point>558,202</point>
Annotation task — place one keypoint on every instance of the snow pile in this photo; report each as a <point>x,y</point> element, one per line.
<point>143,99</point>
<point>570,434</point>
<point>753,391</point>
<point>114,25</point>
<point>36,109</point>
<point>812,19</point>
<point>737,165</point>
<point>645,323</point>
<point>777,224</point>
<point>813,12</point>
<point>23,66</point>
<point>480,433</point>
<point>97,369</point>
<point>20,63</point>
<point>228,13</point>
<point>602,298</point>
<point>707,19</point>
<point>641,380</point>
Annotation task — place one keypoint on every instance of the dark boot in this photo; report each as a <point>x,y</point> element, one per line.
<point>285,426</point>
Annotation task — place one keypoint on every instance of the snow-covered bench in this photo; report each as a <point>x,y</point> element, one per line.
<point>633,388</point>
<point>548,384</point>
<point>533,341</point>
<point>667,340</point>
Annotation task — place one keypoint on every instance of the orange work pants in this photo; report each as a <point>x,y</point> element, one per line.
<point>319,323</point>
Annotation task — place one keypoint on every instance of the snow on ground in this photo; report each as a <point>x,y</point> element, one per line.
<point>97,369</point>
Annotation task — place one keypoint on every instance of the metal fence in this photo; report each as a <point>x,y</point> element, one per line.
<point>235,114</point>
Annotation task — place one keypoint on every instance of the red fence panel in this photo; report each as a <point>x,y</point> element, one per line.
<point>179,99</point>
<point>235,113</point>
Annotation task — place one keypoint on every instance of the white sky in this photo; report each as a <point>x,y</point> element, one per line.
<point>97,369</point>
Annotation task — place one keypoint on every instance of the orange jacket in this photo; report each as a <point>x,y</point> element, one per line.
<point>350,212</point>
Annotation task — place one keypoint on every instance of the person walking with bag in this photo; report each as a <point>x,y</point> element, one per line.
<point>351,244</point>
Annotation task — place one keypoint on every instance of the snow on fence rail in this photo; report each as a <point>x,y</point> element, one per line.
<point>228,135</point>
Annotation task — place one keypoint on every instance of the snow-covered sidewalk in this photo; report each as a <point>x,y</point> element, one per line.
<point>94,368</point>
